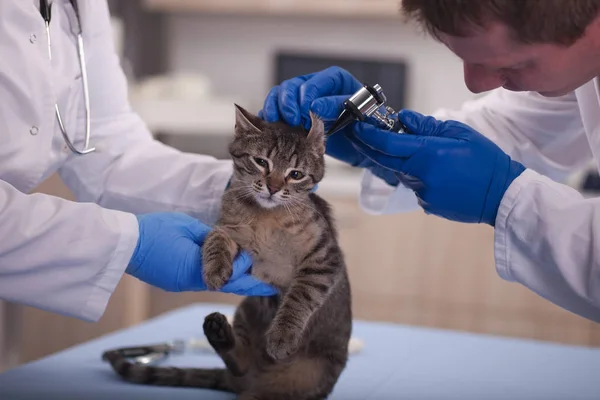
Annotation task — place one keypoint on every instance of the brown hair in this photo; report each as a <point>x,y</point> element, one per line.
<point>532,21</point>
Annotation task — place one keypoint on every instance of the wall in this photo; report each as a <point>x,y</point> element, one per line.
<point>236,52</point>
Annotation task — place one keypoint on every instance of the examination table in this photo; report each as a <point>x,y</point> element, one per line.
<point>396,362</point>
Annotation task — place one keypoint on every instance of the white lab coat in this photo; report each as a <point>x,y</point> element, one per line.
<point>547,235</point>
<point>63,256</point>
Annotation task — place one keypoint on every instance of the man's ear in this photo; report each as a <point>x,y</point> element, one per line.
<point>316,135</point>
<point>246,122</point>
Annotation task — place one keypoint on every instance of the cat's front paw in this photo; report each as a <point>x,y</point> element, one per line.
<point>216,276</point>
<point>282,342</point>
<point>217,265</point>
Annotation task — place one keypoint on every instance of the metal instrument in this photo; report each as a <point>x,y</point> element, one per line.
<point>152,353</point>
<point>369,102</point>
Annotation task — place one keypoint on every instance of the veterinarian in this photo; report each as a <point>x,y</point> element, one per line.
<point>142,208</point>
<point>500,159</point>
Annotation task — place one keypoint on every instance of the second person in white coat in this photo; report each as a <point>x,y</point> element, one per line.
<point>142,208</point>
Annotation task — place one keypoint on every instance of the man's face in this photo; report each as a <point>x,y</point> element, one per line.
<point>492,59</point>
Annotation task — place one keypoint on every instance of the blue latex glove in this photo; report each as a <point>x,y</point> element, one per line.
<point>456,172</point>
<point>323,93</point>
<point>169,256</point>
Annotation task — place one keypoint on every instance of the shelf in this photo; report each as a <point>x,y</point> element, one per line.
<point>329,8</point>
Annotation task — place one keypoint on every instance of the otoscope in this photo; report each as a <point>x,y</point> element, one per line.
<point>368,101</point>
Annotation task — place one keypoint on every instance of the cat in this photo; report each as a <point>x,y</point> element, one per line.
<point>293,345</point>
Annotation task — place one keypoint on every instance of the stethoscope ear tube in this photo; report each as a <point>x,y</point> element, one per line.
<point>46,11</point>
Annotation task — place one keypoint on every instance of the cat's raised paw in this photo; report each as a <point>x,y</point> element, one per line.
<point>216,274</point>
<point>281,342</point>
<point>218,332</point>
<point>217,264</point>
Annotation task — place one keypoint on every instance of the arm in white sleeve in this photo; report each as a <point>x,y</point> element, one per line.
<point>61,256</point>
<point>545,134</point>
<point>547,238</point>
<point>131,171</point>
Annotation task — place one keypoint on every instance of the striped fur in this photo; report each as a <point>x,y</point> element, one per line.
<point>293,345</point>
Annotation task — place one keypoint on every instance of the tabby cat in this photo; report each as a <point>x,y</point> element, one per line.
<point>293,345</point>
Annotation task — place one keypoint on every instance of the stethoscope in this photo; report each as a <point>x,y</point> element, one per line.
<point>46,11</point>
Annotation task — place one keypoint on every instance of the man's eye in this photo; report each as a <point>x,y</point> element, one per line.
<point>296,175</point>
<point>262,162</point>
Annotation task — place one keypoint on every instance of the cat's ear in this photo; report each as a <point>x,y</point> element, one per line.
<point>316,135</point>
<point>246,122</point>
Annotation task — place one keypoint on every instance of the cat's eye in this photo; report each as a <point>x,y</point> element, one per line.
<point>296,175</point>
<point>262,162</point>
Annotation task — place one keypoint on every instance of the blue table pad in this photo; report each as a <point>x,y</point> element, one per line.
<point>397,362</point>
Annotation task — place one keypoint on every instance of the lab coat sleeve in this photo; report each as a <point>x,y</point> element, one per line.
<point>547,238</point>
<point>61,256</point>
<point>131,171</point>
<point>545,134</point>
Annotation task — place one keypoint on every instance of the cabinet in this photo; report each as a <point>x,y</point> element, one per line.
<point>409,268</point>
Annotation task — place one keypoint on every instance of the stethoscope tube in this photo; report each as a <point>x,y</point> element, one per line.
<point>46,12</point>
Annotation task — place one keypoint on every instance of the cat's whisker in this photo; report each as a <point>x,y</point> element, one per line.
<point>240,189</point>
<point>300,203</point>
<point>287,207</point>
<point>245,194</point>
<point>236,189</point>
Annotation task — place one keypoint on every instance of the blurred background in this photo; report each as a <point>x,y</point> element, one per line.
<point>188,61</point>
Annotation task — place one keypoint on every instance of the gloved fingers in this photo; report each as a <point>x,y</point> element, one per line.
<point>410,181</point>
<point>379,158</point>
<point>329,108</point>
<point>340,147</point>
<point>390,177</point>
<point>249,286</point>
<point>387,142</point>
<point>197,230</point>
<point>288,100</point>
<point>241,264</point>
<point>419,124</point>
<point>270,110</point>
<point>194,283</point>
<point>292,99</point>
<point>333,81</point>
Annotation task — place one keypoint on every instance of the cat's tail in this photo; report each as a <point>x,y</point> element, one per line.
<point>215,379</point>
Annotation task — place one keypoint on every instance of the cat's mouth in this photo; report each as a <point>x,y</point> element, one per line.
<point>266,200</point>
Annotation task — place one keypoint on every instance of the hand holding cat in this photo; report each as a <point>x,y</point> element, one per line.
<point>169,256</point>
<point>456,172</point>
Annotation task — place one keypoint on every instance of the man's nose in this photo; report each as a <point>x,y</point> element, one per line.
<point>479,79</point>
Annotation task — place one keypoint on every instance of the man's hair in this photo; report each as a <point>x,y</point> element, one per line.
<point>532,21</point>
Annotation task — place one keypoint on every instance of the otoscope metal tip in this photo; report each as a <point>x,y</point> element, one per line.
<point>344,119</point>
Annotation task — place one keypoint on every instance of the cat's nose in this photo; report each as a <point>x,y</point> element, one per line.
<point>273,189</point>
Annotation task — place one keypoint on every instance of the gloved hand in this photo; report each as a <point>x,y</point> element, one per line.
<point>323,93</point>
<point>169,256</point>
<point>456,172</point>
